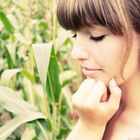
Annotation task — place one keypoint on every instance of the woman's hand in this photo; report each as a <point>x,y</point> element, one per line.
<point>93,106</point>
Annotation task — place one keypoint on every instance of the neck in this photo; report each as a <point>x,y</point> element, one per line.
<point>131,94</point>
<point>129,112</point>
<point>129,105</point>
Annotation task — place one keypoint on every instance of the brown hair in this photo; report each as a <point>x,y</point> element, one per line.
<point>116,15</point>
<point>119,16</point>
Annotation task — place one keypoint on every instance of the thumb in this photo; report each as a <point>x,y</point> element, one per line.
<point>115,95</point>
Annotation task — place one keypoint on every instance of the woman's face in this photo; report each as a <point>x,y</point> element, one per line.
<point>101,54</point>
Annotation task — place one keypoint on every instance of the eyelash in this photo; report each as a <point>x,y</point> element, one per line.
<point>97,38</point>
<point>94,38</point>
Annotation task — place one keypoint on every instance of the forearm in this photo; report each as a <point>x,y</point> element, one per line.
<point>80,132</point>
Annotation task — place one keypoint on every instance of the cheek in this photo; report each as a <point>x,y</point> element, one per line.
<point>112,51</point>
<point>109,57</point>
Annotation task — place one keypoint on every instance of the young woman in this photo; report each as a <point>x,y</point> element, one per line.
<point>107,46</point>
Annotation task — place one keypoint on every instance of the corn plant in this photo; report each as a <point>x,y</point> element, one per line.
<point>37,76</point>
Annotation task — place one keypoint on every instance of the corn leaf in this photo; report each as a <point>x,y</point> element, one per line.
<point>13,103</point>
<point>28,134</point>
<point>22,118</point>
<point>7,75</point>
<point>10,100</point>
<point>53,86</point>
<point>42,56</point>
<point>28,75</point>
<point>66,77</point>
<point>9,59</point>
<point>7,24</point>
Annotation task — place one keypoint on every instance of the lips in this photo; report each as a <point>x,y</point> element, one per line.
<point>86,68</point>
<point>91,72</point>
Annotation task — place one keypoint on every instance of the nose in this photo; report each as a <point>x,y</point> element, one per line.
<point>79,52</point>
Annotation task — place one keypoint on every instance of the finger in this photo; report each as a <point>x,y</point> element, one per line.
<point>115,95</point>
<point>86,85</point>
<point>82,93</point>
<point>98,91</point>
<point>85,88</point>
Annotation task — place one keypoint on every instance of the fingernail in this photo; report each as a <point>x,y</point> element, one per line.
<point>112,84</point>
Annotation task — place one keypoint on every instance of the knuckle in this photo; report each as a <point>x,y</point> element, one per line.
<point>76,101</point>
<point>91,106</point>
<point>74,98</point>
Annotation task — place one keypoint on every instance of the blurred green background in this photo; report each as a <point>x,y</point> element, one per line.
<point>32,108</point>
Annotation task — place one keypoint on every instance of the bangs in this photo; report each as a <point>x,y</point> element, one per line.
<point>76,14</point>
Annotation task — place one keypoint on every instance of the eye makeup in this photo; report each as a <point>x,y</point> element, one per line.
<point>94,38</point>
<point>97,38</point>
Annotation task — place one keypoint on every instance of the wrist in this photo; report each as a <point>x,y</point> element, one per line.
<point>91,126</point>
<point>92,130</point>
<point>83,132</point>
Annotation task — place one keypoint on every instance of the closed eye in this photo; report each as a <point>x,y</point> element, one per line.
<point>97,38</point>
<point>94,38</point>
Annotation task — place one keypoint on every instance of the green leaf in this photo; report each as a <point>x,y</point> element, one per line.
<point>7,24</point>
<point>4,35</point>
<point>63,132</point>
<point>43,130</point>
<point>46,124</point>
<point>9,59</point>
<point>53,86</point>
<point>28,75</point>
<point>43,26</point>
<point>35,138</point>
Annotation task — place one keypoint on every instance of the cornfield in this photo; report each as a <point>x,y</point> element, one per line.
<point>37,74</point>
